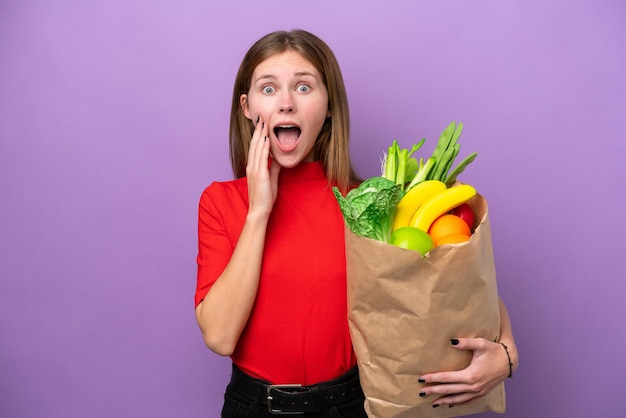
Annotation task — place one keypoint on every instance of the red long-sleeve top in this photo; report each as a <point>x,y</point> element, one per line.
<point>298,329</point>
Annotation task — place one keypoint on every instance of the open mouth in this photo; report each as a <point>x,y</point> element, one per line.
<point>287,136</point>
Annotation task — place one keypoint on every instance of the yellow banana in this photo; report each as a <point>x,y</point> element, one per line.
<point>413,199</point>
<point>441,203</point>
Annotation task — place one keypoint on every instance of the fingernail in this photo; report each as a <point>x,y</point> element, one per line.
<point>420,380</point>
<point>454,341</point>
<point>422,394</point>
<point>436,405</point>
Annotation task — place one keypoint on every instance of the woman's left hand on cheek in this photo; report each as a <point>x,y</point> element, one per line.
<point>489,367</point>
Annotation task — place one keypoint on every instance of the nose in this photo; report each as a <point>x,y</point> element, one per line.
<point>287,104</point>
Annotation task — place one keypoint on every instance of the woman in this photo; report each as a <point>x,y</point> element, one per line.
<point>271,264</point>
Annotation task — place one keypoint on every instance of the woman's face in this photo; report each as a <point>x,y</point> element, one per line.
<point>288,94</point>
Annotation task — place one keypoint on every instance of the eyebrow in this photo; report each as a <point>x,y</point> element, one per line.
<point>297,74</point>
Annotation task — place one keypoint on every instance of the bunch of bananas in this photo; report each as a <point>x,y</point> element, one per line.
<point>429,200</point>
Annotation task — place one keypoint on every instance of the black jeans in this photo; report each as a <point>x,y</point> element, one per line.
<point>240,405</point>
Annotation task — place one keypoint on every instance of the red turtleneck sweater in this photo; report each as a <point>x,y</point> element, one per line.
<point>298,329</point>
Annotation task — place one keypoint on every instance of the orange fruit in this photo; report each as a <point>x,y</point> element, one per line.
<point>452,239</point>
<point>446,225</point>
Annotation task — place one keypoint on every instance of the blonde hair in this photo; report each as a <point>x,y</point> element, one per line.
<point>332,145</point>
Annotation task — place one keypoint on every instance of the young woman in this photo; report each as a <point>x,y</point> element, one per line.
<point>271,290</point>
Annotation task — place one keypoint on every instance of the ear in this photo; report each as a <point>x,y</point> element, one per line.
<point>243,102</point>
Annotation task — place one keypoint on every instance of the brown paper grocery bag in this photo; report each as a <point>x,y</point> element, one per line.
<point>405,308</point>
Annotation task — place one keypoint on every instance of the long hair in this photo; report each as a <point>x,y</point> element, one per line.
<point>332,145</point>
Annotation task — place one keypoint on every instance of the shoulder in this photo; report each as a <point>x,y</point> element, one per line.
<point>225,194</point>
<point>225,188</point>
<point>223,204</point>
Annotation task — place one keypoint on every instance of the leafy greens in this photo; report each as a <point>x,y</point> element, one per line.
<point>369,209</point>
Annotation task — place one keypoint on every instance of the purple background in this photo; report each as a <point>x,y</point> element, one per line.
<point>114,117</point>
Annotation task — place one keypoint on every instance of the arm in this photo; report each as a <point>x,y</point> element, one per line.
<point>488,368</point>
<point>506,337</point>
<point>224,312</point>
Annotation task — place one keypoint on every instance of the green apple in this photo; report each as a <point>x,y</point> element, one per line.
<point>412,238</point>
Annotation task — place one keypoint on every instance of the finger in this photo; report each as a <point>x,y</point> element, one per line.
<point>445,389</point>
<point>443,377</point>
<point>471,344</point>
<point>256,146</point>
<point>454,400</point>
<point>251,146</point>
<point>263,148</point>
<point>274,170</point>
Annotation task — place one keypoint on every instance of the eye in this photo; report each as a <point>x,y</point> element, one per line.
<point>268,89</point>
<point>303,88</point>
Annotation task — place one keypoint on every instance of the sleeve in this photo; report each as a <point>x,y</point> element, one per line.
<point>215,246</point>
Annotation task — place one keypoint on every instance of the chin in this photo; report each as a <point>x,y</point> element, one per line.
<point>293,158</point>
<point>288,161</point>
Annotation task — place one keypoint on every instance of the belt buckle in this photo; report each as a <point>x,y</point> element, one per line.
<point>270,399</point>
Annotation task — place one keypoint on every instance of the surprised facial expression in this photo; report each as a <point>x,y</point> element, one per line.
<point>288,93</point>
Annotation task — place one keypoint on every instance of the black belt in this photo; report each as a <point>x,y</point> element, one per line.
<point>297,399</point>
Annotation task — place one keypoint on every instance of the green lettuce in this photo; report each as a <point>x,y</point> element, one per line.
<point>369,209</point>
